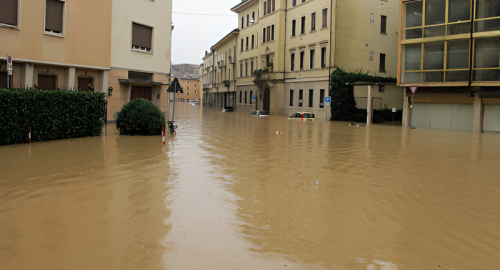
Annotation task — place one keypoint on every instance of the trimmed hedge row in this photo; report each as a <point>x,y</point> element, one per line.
<point>140,117</point>
<point>52,115</point>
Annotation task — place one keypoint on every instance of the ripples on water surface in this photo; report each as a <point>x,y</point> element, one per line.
<point>228,193</point>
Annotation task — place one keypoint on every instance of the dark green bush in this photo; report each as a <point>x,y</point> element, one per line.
<point>52,115</point>
<point>140,117</point>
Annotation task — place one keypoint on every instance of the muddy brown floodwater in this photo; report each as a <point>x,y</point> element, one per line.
<point>228,193</point>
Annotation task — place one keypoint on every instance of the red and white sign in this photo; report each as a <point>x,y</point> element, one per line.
<point>9,62</point>
<point>413,89</point>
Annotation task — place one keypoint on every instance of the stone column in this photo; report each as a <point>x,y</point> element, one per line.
<point>69,79</point>
<point>369,106</point>
<point>103,82</point>
<point>406,108</point>
<point>28,73</point>
<point>477,125</point>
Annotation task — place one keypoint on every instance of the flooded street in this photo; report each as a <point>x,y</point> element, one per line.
<point>228,193</point>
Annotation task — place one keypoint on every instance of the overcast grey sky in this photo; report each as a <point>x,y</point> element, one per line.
<point>193,34</point>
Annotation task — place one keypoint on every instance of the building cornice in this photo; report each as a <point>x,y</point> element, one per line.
<point>243,5</point>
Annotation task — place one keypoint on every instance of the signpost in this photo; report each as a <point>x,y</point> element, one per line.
<point>328,100</point>
<point>413,90</point>
<point>9,69</point>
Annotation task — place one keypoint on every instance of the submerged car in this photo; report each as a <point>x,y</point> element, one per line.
<point>259,113</point>
<point>302,116</point>
<point>227,109</point>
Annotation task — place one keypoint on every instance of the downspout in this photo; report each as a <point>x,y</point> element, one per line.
<point>284,51</point>
<point>234,68</point>
<point>471,46</point>
<point>330,56</point>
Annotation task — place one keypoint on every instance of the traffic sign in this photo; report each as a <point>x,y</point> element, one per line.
<point>254,97</point>
<point>9,62</point>
<point>328,99</point>
<point>413,89</point>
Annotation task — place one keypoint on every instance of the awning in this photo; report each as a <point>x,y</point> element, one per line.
<point>138,82</point>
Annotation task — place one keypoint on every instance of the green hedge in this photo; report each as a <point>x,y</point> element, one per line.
<point>52,115</point>
<point>140,117</point>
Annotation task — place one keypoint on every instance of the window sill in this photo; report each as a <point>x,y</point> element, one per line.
<point>303,34</point>
<point>382,71</point>
<point>53,34</point>
<point>135,50</point>
<point>385,34</point>
<point>323,28</point>
<point>16,27</point>
<point>293,36</point>
<point>312,31</point>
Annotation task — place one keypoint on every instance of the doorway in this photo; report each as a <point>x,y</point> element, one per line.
<point>140,92</point>
<point>267,100</point>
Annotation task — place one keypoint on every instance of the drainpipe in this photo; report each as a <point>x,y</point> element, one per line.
<point>330,44</point>
<point>234,68</point>
<point>284,51</point>
<point>471,43</point>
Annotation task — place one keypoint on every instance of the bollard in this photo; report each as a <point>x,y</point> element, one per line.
<point>163,134</point>
<point>29,135</point>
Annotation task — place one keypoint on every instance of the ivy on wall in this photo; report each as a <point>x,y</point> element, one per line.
<point>343,104</point>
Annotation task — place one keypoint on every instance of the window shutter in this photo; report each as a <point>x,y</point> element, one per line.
<point>141,36</point>
<point>54,16</point>
<point>8,12</point>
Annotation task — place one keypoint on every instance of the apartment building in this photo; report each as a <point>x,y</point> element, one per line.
<point>140,53</point>
<point>222,93</point>
<point>52,48</point>
<point>295,44</point>
<point>121,48</point>
<point>261,48</point>
<point>191,88</point>
<point>450,50</point>
<point>208,78</point>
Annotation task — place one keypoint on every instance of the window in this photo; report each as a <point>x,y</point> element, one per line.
<point>251,68</point>
<point>303,26</point>
<point>248,19</point>
<point>272,32</point>
<point>246,69</point>
<point>323,57</point>
<point>294,22</point>
<point>291,98</point>
<point>382,62</point>
<point>488,14</point>
<point>241,44</point>
<point>187,94</point>
<point>383,24</point>
<point>325,18</point>
<point>292,61</point>
<point>313,21</point>
<point>195,85</point>
<point>182,82</point>
<point>321,98</point>
<point>303,1</point>
<point>242,22</point>
<point>187,82</point>
<point>269,6</point>
<point>253,16</point>
<point>311,61</point>
<point>253,42</point>
<point>247,43</point>
<point>8,12</point>
<point>381,88</point>
<point>311,95</point>
<point>486,67</point>
<point>195,91</point>
<point>274,6</point>
<point>188,88</point>
<point>245,97</point>
<point>241,70</point>
<point>251,93</point>
<point>301,93</point>
<point>294,3</point>
<point>241,96</point>
<point>85,84</point>
<point>265,8</point>
<point>264,34</point>
<point>54,13</point>
<point>141,37</point>
<point>302,60</point>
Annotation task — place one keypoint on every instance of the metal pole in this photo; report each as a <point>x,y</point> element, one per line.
<point>411,111</point>
<point>8,80</point>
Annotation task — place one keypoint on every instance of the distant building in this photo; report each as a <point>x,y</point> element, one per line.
<point>450,50</point>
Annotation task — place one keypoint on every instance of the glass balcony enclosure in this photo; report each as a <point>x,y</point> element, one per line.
<point>438,46</point>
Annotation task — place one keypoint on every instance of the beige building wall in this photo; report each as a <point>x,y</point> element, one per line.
<point>126,59</point>
<point>74,53</point>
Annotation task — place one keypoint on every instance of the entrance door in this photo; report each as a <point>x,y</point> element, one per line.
<point>47,82</point>
<point>267,100</point>
<point>140,92</point>
<point>85,84</point>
